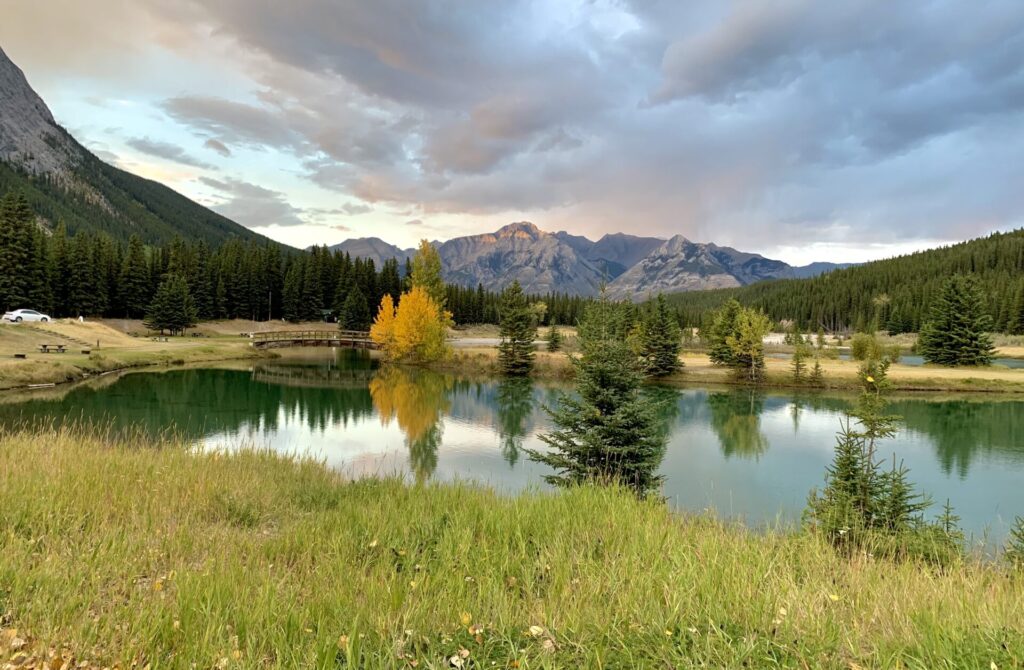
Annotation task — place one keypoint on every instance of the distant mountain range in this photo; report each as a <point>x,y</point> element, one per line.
<point>632,267</point>
<point>64,182</point>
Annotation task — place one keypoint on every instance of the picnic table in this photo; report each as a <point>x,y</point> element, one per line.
<point>52,348</point>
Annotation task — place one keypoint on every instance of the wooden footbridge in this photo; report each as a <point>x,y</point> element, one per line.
<point>347,339</point>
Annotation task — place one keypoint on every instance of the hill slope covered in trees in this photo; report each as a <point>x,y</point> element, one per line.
<point>64,182</point>
<point>892,294</point>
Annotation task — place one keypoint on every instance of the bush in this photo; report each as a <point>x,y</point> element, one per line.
<point>865,347</point>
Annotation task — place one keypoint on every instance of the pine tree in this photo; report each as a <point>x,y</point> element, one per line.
<point>554,339</point>
<point>292,308</point>
<point>610,432</point>
<point>16,251</point>
<point>660,341</point>
<point>801,352</point>
<point>355,313</point>
<point>134,280</point>
<point>957,332</point>
<point>172,307</point>
<point>518,331</point>
<point>1014,549</point>
<point>722,325</point>
<point>817,377</point>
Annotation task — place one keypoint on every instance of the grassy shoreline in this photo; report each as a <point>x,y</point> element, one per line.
<point>127,552</point>
<point>839,375</point>
<point>96,348</point>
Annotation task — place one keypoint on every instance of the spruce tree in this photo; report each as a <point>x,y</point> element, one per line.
<point>957,332</point>
<point>355,313</point>
<point>609,432</point>
<point>554,339</point>
<point>517,330</point>
<point>134,280</point>
<point>660,340</point>
<point>722,324</point>
<point>16,251</point>
<point>1014,548</point>
<point>172,307</point>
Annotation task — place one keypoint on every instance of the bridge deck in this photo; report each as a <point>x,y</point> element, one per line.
<point>353,339</point>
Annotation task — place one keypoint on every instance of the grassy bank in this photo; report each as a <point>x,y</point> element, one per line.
<point>108,349</point>
<point>838,374</point>
<point>152,554</point>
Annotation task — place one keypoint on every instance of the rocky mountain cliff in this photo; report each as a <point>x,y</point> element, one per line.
<point>63,181</point>
<point>373,248</point>
<point>565,263</point>
<point>540,261</point>
<point>682,265</point>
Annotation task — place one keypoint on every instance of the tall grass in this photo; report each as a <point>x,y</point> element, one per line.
<point>124,550</point>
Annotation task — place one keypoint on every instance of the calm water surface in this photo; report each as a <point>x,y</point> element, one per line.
<point>743,453</point>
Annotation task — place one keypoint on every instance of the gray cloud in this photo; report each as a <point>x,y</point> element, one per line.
<point>743,122</point>
<point>252,205</point>
<point>166,150</point>
<point>218,146</point>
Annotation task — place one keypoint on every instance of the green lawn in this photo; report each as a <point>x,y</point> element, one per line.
<point>121,551</point>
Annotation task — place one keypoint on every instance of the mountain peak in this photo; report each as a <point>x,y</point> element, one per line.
<point>29,136</point>
<point>520,229</point>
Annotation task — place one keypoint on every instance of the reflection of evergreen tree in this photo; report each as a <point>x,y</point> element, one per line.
<point>736,419</point>
<point>665,401</point>
<point>959,429</point>
<point>515,403</point>
<point>195,403</point>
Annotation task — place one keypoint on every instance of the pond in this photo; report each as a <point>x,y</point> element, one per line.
<point>749,454</point>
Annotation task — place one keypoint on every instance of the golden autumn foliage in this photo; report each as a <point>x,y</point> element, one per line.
<point>414,331</point>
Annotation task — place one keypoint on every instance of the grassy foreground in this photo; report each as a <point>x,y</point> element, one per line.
<point>157,556</point>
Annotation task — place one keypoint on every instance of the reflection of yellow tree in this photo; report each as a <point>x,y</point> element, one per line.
<point>736,419</point>
<point>416,399</point>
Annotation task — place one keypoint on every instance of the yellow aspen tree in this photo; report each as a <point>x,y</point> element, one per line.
<point>382,332</point>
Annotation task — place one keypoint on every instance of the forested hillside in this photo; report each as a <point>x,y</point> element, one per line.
<point>892,294</point>
<point>95,274</point>
<point>130,205</point>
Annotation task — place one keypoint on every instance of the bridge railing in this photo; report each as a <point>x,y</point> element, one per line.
<point>292,335</point>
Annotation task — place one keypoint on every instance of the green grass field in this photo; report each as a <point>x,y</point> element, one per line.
<point>119,552</point>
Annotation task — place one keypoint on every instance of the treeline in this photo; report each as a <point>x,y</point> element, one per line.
<point>893,294</point>
<point>94,274</point>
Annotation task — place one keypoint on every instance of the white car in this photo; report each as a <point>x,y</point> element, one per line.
<point>19,315</point>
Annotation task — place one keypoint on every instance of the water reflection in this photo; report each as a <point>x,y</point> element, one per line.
<point>736,419</point>
<point>514,407</point>
<point>416,399</point>
<point>743,452</point>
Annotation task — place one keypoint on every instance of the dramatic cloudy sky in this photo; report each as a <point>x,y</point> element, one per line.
<point>802,129</point>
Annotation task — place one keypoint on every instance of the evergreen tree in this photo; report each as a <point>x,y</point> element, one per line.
<point>172,307</point>
<point>16,251</point>
<point>134,280</point>
<point>554,339</point>
<point>355,313</point>
<point>722,325</point>
<point>610,432</point>
<point>1014,549</point>
<point>292,308</point>
<point>518,331</point>
<point>660,340</point>
<point>957,332</point>
<point>1015,315</point>
<point>801,352</point>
